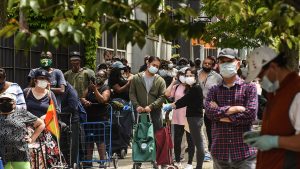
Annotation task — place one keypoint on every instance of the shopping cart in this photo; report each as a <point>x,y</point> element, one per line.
<point>97,137</point>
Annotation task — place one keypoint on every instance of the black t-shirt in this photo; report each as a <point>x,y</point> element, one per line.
<point>121,82</point>
<point>97,111</point>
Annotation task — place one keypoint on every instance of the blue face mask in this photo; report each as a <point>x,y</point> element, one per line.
<point>269,86</point>
<point>152,69</point>
<point>228,69</point>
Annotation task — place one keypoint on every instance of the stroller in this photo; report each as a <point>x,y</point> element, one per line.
<point>122,121</point>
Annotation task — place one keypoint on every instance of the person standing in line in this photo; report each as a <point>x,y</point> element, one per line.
<point>208,78</point>
<point>176,90</point>
<point>79,77</point>
<point>232,107</point>
<point>12,88</point>
<point>193,101</point>
<point>278,141</point>
<point>14,138</point>
<point>147,93</point>
<point>57,79</point>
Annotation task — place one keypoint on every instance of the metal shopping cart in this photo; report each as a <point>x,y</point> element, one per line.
<point>96,136</point>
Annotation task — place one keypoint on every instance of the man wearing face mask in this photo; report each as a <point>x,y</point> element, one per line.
<point>208,78</point>
<point>79,77</point>
<point>279,139</point>
<point>232,107</point>
<point>147,92</point>
<point>57,79</point>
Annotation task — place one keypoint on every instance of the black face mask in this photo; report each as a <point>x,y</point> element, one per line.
<point>6,107</point>
<point>205,69</point>
<point>2,85</point>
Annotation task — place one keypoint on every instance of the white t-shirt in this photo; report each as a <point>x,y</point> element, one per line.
<point>294,113</point>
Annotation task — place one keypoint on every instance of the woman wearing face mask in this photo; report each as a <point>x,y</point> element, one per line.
<point>176,90</point>
<point>118,83</point>
<point>38,99</point>
<point>12,88</point>
<point>95,100</point>
<point>14,138</point>
<point>193,101</point>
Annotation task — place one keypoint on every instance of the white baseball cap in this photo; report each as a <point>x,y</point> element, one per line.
<point>258,58</point>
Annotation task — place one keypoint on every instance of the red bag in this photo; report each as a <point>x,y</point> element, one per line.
<point>164,146</point>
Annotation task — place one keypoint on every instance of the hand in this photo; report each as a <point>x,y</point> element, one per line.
<point>29,140</point>
<point>213,105</point>
<point>93,86</point>
<point>235,109</point>
<point>174,81</point>
<point>167,107</point>
<point>140,109</point>
<point>87,103</point>
<point>225,119</point>
<point>264,142</point>
<point>147,109</point>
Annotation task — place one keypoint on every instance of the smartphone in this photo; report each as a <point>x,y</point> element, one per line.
<point>93,80</point>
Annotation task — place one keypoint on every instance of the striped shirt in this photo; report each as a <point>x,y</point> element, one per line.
<point>227,138</point>
<point>16,90</point>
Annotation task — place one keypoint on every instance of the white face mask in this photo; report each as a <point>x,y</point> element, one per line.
<point>170,65</point>
<point>228,70</point>
<point>269,86</point>
<point>42,83</point>
<point>152,69</point>
<point>163,72</point>
<point>182,79</point>
<point>190,80</point>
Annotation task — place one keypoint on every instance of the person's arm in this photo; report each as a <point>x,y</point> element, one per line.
<point>118,89</point>
<point>83,99</point>
<point>39,126</point>
<point>249,114</point>
<point>168,92</point>
<point>104,97</point>
<point>132,92</point>
<point>20,102</point>
<point>213,112</point>
<point>55,102</point>
<point>61,82</point>
<point>161,95</point>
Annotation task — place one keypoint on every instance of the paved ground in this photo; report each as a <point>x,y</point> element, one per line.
<point>127,163</point>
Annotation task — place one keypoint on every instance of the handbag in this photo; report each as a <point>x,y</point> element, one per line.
<point>143,147</point>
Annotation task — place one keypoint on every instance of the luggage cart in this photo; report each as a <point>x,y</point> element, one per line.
<point>94,136</point>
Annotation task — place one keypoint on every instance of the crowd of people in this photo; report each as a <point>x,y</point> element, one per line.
<point>214,103</point>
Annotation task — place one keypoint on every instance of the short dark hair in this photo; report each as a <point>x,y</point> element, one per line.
<point>213,59</point>
<point>2,71</point>
<point>280,60</point>
<point>153,58</point>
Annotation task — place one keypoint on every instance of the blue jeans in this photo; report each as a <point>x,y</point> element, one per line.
<point>248,163</point>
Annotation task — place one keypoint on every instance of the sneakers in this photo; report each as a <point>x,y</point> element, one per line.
<point>178,165</point>
<point>207,157</point>
<point>188,166</point>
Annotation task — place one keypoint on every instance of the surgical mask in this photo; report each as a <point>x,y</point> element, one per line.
<point>152,69</point>
<point>190,80</point>
<point>269,86</point>
<point>6,107</point>
<point>46,63</point>
<point>228,70</point>
<point>162,72</point>
<point>2,85</point>
<point>108,62</point>
<point>42,83</point>
<point>182,79</point>
<point>170,65</point>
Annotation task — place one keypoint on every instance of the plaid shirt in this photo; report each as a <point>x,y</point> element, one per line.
<point>227,138</point>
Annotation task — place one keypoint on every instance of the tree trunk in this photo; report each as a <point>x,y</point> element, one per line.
<point>3,14</point>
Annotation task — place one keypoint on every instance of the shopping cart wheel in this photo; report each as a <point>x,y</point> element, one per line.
<point>123,154</point>
<point>171,167</point>
<point>115,160</point>
<point>136,166</point>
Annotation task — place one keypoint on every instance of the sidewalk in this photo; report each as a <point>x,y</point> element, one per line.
<point>127,163</point>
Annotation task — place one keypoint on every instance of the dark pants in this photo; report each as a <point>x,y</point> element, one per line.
<point>248,163</point>
<point>178,134</point>
<point>74,142</point>
<point>207,123</point>
<point>195,124</point>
